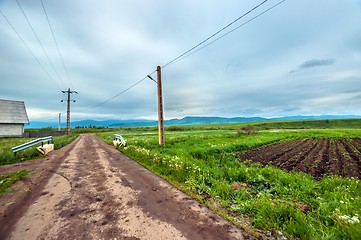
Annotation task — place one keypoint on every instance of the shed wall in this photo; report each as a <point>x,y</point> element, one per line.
<point>11,130</point>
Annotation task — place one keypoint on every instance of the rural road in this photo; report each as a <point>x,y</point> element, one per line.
<point>89,190</point>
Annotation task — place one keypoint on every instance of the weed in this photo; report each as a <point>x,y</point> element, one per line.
<point>6,180</point>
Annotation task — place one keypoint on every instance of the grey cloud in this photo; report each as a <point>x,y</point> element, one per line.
<point>314,63</point>
<point>109,47</point>
<point>317,62</point>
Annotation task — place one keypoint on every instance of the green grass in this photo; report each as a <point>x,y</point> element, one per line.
<point>202,162</point>
<point>280,124</point>
<point>310,124</point>
<point>6,180</point>
<point>266,125</point>
<point>7,155</point>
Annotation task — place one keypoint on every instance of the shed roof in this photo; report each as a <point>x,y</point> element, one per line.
<point>13,112</point>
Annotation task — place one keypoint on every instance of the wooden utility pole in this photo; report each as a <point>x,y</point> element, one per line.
<point>68,109</point>
<point>160,107</point>
<point>59,126</point>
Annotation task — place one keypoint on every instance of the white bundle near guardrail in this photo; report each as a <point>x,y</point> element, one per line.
<point>119,140</point>
<point>43,149</point>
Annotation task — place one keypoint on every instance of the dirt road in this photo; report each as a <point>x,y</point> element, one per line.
<point>89,190</point>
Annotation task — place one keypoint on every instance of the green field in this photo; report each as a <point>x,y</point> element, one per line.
<point>202,160</point>
<point>203,163</point>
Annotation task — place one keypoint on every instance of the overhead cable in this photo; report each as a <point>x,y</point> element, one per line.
<point>222,36</point>
<point>214,34</point>
<point>40,44</point>
<point>196,47</point>
<point>30,51</point>
<point>117,95</point>
<point>56,44</point>
<point>120,93</point>
<point>191,50</point>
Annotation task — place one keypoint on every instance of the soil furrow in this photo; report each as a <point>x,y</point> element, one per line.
<point>297,162</point>
<point>317,157</point>
<point>310,156</point>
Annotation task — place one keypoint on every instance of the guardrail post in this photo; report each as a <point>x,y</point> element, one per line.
<point>119,140</point>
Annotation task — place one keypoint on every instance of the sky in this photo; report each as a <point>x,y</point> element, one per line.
<point>299,58</point>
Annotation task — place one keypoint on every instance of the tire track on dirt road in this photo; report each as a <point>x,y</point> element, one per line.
<point>99,193</point>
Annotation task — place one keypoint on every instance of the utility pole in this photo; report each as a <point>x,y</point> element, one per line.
<point>160,105</point>
<point>59,126</point>
<point>68,109</point>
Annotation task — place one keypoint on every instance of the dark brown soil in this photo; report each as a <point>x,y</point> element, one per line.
<point>317,157</point>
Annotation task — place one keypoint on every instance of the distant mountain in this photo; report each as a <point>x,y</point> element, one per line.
<point>91,123</point>
<point>186,121</point>
<point>111,123</point>
<point>182,121</point>
<point>43,125</point>
<point>320,117</point>
<point>209,120</point>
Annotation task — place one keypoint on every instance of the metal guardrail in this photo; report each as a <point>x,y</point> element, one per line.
<point>32,143</point>
<point>121,140</point>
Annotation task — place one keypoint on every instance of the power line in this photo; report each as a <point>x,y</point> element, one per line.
<point>37,38</point>
<point>214,34</point>
<point>190,51</point>
<point>27,47</point>
<point>117,95</point>
<point>222,36</point>
<point>56,43</point>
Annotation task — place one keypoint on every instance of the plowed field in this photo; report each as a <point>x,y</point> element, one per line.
<point>318,157</point>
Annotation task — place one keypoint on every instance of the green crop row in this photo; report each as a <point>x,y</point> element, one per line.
<point>204,164</point>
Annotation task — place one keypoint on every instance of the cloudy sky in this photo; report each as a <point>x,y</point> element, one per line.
<point>300,58</point>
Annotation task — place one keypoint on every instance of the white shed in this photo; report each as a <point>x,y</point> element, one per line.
<point>13,116</point>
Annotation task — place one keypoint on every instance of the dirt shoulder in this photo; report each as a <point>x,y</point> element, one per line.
<point>25,191</point>
<point>89,190</point>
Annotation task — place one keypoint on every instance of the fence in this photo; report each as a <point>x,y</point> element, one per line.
<point>43,134</point>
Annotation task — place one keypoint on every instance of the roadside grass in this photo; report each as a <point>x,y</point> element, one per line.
<point>204,164</point>
<point>264,125</point>
<point>7,155</point>
<point>6,180</point>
